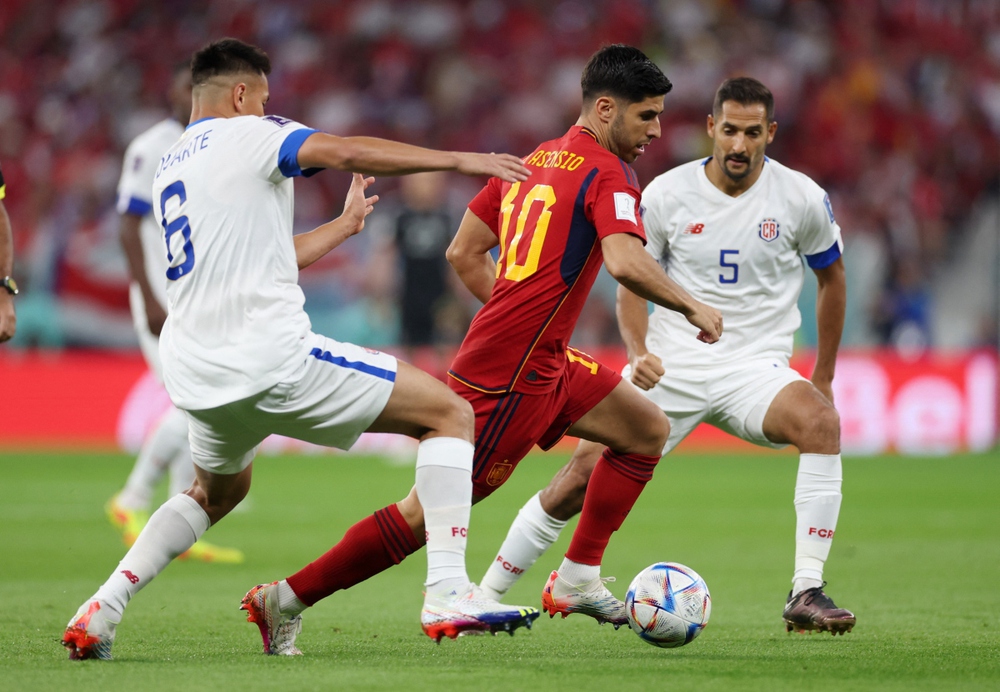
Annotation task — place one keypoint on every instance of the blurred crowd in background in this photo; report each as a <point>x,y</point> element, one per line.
<point>892,105</point>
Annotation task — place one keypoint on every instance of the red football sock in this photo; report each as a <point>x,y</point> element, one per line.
<point>373,545</point>
<point>614,486</point>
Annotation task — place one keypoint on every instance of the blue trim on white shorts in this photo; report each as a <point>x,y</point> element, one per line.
<point>822,260</point>
<point>359,365</point>
<point>288,154</point>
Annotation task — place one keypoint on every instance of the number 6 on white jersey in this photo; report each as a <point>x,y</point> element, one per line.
<point>181,224</point>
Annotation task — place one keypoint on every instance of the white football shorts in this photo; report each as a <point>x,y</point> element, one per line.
<point>734,399</point>
<point>336,394</point>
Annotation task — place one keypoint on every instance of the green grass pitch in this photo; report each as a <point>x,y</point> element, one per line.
<point>917,557</point>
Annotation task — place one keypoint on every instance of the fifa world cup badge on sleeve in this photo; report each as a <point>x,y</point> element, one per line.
<point>624,207</point>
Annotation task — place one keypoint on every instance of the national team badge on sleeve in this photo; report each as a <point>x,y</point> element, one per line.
<point>768,229</point>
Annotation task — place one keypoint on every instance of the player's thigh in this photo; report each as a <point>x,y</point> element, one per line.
<point>420,404</point>
<point>802,416</point>
<point>741,397</point>
<point>585,383</point>
<point>626,421</point>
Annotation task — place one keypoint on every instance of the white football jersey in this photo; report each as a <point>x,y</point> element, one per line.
<point>223,194</point>
<point>135,190</point>
<point>741,255</point>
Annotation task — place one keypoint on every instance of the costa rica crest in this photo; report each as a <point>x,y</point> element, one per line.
<point>768,229</point>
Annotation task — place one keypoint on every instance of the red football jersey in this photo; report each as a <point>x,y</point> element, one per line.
<point>550,229</point>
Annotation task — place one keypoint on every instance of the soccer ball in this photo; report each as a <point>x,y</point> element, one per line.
<point>668,604</point>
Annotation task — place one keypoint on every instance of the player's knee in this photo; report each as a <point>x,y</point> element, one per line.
<point>822,431</point>
<point>661,441</point>
<point>828,425</point>
<point>464,416</point>
<point>656,432</point>
<point>575,490</point>
<point>563,498</point>
<point>219,500</point>
<point>458,419</point>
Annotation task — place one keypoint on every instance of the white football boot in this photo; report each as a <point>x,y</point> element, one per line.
<point>278,631</point>
<point>470,611</point>
<point>91,632</point>
<point>591,599</point>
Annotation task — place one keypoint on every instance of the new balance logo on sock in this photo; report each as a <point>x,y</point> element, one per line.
<point>822,533</point>
<point>459,531</point>
<point>131,577</point>
<point>509,567</point>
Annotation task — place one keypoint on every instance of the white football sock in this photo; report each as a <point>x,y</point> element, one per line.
<point>156,455</point>
<point>531,534</point>
<point>172,529</point>
<point>288,602</point>
<point>578,574</point>
<point>817,506</point>
<point>444,488</point>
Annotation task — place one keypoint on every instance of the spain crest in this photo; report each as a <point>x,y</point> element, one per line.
<point>768,229</point>
<point>498,474</point>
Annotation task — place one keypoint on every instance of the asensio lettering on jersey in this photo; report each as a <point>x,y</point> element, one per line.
<point>566,160</point>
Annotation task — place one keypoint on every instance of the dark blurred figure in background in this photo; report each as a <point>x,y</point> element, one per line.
<point>424,229</point>
<point>904,312</point>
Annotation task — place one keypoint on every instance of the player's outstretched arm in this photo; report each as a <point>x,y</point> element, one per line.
<point>634,269</point>
<point>131,242</point>
<point>8,317</point>
<point>831,302</point>
<point>633,323</point>
<point>469,255</point>
<point>310,246</point>
<point>374,156</point>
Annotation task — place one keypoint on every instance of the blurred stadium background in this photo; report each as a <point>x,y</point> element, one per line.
<point>892,105</point>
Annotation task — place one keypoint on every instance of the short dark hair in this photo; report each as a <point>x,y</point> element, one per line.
<point>746,91</point>
<point>228,56</point>
<point>622,72</point>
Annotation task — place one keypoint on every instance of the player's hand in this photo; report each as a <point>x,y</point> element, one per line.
<point>357,206</point>
<point>647,370</point>
<point>8,318</point>
<point>156,315</point>
<point>708,320</point>
<point>504,166</point>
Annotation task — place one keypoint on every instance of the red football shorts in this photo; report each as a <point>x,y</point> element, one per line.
<point>509,425</point>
